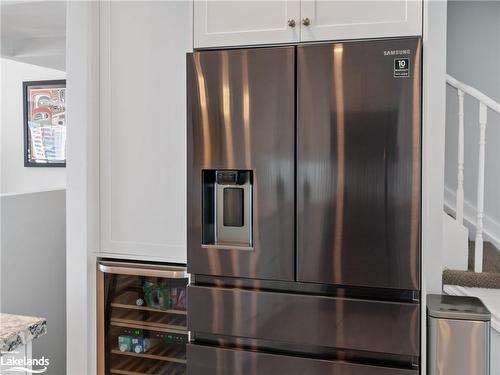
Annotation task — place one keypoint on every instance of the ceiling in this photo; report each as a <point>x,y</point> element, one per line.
<point>34,32</point>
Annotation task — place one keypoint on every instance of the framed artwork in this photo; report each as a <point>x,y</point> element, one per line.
<point>44,123</point>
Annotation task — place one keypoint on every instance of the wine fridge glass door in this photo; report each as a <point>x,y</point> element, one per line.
<point>142,320</point>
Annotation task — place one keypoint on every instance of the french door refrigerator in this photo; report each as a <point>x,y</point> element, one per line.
<point>141,318</point>
<point>304,209</point>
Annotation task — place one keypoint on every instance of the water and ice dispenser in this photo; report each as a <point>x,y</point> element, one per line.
<point>227,209</point>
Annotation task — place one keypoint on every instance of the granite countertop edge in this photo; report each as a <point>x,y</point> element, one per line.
<point>20,333</point>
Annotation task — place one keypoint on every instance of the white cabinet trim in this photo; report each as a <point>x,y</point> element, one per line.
<point>82,190</point>
<point>105,118</point>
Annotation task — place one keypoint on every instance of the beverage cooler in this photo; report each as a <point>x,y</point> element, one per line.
<point>141,318</point>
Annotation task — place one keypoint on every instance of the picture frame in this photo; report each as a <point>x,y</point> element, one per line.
<point>44,112</point>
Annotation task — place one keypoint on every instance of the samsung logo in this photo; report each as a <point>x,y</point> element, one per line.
<point>393,52</point>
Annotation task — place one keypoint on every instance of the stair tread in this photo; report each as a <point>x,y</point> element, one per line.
<point>490,280</point>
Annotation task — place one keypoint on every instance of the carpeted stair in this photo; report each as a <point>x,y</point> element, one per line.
<point>489,278</point>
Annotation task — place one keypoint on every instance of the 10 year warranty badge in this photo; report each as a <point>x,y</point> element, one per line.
<point>401,67</point>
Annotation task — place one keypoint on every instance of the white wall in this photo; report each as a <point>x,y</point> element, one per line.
<point>33,267</point>
<point>473,49</point>
<point>33,248</point>
<point>15,178</point>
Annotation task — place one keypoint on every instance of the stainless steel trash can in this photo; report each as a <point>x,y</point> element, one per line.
<point>458,334</point>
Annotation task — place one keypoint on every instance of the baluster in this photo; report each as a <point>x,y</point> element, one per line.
<point>460,179</point>
<point>478,258</point>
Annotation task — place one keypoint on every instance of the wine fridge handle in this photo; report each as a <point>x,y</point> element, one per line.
<point>120,268</point>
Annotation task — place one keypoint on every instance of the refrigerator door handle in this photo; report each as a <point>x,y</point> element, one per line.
<point>120,268</point>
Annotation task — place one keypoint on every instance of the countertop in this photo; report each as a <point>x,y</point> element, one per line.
<point>18,330</point>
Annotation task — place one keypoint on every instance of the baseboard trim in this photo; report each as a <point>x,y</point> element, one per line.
<point>457,290</point>
<point>491,228</point>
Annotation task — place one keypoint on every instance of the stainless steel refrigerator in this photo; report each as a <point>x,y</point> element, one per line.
<point>304,188</point>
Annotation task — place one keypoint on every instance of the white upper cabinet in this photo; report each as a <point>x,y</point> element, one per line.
<point>230,23</point>
<point>143,128</point>
<point>239,23</point>
<point>336,20</point>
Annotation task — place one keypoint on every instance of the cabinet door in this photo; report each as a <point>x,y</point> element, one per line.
<point>143,127</point>
<point>336,20</point>
<point>230,23</point>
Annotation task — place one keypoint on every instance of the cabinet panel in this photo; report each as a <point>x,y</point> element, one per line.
<point>336,20</point>
<point>227,23</point>
<point>142,128</point>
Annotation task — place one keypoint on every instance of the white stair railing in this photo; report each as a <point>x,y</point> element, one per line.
<point>460,178</point>
<point>485,102</point>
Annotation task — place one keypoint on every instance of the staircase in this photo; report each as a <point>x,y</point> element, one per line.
<point>469,262</point>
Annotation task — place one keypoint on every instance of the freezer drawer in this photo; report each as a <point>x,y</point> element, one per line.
<point>241,172</point>
<point>358,172</point>
<point>343,323</point>
<point>206,360</point>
